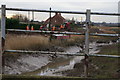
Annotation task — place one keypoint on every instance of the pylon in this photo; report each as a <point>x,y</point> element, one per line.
<point>27,27</point>
<point>32,28</point>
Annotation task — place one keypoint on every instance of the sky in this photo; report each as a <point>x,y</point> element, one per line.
<point>105,6</point>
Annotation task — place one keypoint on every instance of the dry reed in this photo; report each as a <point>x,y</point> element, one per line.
<point>38,42</point>
<point>26,42</point>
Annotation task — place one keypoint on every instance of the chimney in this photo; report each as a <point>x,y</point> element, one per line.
<point>56,13</point>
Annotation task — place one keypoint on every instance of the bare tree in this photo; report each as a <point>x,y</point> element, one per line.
<point>20,17</point>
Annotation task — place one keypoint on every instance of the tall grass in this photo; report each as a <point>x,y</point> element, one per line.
<point>26,42</point>
<point>38,42</point>
<point>73,40</point>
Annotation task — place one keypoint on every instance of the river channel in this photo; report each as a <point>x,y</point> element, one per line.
<point>63,63</point>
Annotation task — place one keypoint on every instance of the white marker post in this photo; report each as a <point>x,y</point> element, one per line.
<point>87,42</point>
<point>3,20</point>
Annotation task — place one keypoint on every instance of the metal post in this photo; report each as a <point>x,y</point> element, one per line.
<point>3,19</point>
<point>87,43</point>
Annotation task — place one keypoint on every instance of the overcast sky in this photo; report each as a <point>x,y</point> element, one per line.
<point>107,6</point>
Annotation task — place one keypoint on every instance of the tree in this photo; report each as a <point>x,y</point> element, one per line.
<point>12,23</point>
<point>20,17</point>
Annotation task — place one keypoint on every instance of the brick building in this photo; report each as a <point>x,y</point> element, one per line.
<point>56,20</point>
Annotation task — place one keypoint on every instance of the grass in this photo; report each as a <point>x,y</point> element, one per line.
<point>99,67</point>
<point>21,77</point>
<point>26,42</point>
<point>107,67</point>
<point>102,38</point>
<point>37,42</point>
<point>109,30</point>
<point>110,49</point>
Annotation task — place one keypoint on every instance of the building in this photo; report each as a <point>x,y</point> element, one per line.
<point>56,20</point>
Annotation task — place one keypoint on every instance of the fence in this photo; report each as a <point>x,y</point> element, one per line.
<point>86,54</point>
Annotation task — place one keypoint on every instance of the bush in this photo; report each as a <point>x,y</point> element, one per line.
<point>15,24</point>
<point>12,23</point>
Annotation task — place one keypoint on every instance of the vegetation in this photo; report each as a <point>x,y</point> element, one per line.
<point>18,77</point>
<point>15,22</point>
<point>38,42</point>
<point>20,17</point>
<point>102,39</point>
<point>26,42</point>
<point>110,49</point>
<point>106,67</point>
<point>99,67</point>
<point>12,23</point>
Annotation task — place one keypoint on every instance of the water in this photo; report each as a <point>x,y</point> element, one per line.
<point>63,63</point>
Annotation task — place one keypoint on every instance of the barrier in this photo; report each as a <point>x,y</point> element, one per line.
<point>86,54</point>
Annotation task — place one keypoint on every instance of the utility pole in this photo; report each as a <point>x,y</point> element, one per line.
<point>87,42</point>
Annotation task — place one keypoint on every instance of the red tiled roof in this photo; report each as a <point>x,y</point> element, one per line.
<point>57,19</point>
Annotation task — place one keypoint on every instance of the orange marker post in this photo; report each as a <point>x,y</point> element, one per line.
<point>32,28</point>
<point>41,27</point>
<point>27,28</point>
<point>61,27</point>
<point>53,28</point>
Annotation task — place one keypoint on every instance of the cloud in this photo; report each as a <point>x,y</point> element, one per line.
<point>59,0</point>
<point>110,7</point>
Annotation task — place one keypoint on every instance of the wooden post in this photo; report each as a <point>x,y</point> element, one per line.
<point>29,19</point>
<point>87,43</point>
<point>3,20</point>
<point>32,15</point>
<point>50,20</point>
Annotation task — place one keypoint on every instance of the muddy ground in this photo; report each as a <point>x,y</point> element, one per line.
<point>25,64</point>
